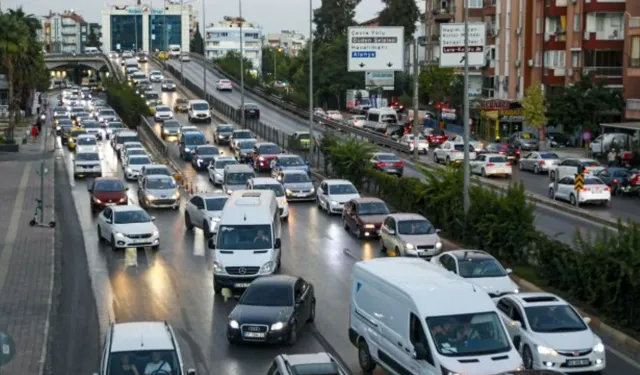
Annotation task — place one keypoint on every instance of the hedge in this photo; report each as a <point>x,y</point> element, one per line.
<point>601,272</point>
<point>124,100</point>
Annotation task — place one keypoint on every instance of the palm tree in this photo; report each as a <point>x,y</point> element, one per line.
<point>30,20</point>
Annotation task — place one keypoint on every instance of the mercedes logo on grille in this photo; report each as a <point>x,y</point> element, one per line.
<point>242,270</point>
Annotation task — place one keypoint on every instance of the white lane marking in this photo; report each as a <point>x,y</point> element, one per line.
<point>131,257</point>
<point>198,243</point>
<point>625,358</point>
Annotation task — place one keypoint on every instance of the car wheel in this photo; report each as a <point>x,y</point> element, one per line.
<point>205,229</point>
<point>187,222</point>
<point>100,239</point>
<point>113,244</point>
<point>527,358</point>
<point>367,364</point>
<point>483,173</point>
<point>572,199</point>
<point>383,249</point>
<point>293,335</point>
<point>536,169</point>
<point>312,313</point>
<point>217,289</point>
<point>435,157</point>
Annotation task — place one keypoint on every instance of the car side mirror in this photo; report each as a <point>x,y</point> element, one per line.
<point>438,230</point>
<point>420,352</point>
<point>208,142</point>
<point>109,221</point>
<point>391,232</point>
<point>307,163</point>
<point>509,271</point>
<point>515,324</point>
<point>211,244</point>
<point>587,320</point>
<point>127,188</point>
<point>278,243</point>
<point>153,218</point>
<point>191,372</point>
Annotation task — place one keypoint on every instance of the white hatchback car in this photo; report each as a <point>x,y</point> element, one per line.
<point>479,268</point>
<point>333,194</point>
<point>87,163</point>
<point>550,334</point>
<point>594,191</point>
<point>163,112</point>
<point>134,164</point>
<point>204,211</point>
<point>488,165</point>
<point>128,226</point>
<point>150,347</point>
<point>216,168</point>
<point>224,85</point>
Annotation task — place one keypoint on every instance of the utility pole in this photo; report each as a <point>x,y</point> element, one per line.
<point>241,66</point>
<point>467,171</point>
<point>416,105</point>
<point>135,26</point>
<point>204,48</point>
<point>181,46</point>
<point>275,63</point>
<point>166,27</point>
<point>311,137</point>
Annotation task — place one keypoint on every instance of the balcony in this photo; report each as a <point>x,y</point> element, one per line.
<point>634,62</point>
<point>603,71</point>
<point>489,7</point>
<point>632,110</point>
<point>446,12</point>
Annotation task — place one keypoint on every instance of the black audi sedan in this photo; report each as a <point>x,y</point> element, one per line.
<point>273,309</point>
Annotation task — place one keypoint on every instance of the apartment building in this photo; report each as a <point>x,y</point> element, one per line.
<point>290,41</point>
<point>224,36</point>
<point>631,75</point>
<point>64,32</point>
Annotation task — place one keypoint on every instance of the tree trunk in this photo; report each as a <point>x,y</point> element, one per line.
<point>542,141</point>
<point>11,104</point>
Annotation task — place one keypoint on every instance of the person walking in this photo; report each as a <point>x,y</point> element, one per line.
<point>611,157</point>
<point>34,133</point>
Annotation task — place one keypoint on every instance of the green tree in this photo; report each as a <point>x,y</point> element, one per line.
<point>456,93</point>
<point>92,39</point>
<point>230,64</point>
<point>401,13</point>
<point>350,159</point>
<point>333,18</point>
<point>535,108</point>
<point>331,76</point>
<point>435,83</point>
<point>583,105</point>
<point>196,45</point>
<point>276,61</point>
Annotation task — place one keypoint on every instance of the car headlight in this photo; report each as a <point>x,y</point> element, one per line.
<point>313,190</point>
<point>176,195</point>
<point>218,175</point>
<point>129,170</point>
<point>369,226</point>
<point>187,149</point>
<point>543,350</point>
<point>220,136</point>
<point>233,324</point>
<point>229,191</point>
<point>120,235</point>
<point>261,158</point>
<point>155,233</point>
<point>218,267</point>
<point>333,203</point>
<point>409,246</point>
<point>438,245</point>
<point>599,348</point>
<point>151,197</point>
<point>288,191</point>
<point>267,268</point>
<point>277,326</point>
<point>166,131</point>
<point>97,200</point>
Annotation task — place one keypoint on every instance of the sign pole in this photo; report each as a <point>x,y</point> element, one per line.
<point>578,184</point>
<point>467,170</point>
<point>416,105</point>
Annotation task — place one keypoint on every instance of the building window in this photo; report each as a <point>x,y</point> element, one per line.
<point>126,32</point>
<point>600,24</point>
<point>538,25</point>
<point>577,22</point>
<point>575,59</point>
<point>635,52</point>
<point>164,31</point>
<point>475,4</point>
<point>554,59</point>
<point>538,58</point>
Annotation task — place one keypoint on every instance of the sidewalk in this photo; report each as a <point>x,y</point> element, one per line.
<point>26,256</point>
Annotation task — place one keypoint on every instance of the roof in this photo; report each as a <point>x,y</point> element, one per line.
<point>407,216</point>
<point>266,144</point>
<point>284,156</point>
<point>126,208</point>
<point>265,181</point>
<point>241,130</point>
<point>157,177</point>
<point>521,297</point>
<point>304,359</point>
<point>107,178</point>
<point>199,101</point>
<point>136,336</point>
<point>238,168</point>
<point>425,282</point>
<point>470,254</point>
<point>249,207</point>
<point>337,182</point>
<point>293,171</point>
<point>623,125</point>
<point>275,279</point>
<point>368,200</point>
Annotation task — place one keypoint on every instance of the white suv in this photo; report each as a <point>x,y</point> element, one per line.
<point>126,345</point>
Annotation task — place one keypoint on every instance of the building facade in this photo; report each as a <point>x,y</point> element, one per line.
<point>631,75</point>
<point>224,36</point>
<point>64,32</point>
<point>290,41</point>
<point>144,28</point>
<point>96,29</point>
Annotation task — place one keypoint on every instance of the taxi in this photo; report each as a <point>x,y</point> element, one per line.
<point>153,104</point>
<point>73,136</point>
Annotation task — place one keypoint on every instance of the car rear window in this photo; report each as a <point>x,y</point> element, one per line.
<point>593,181</point>
<point>461,148</point>
<point>497,159</point>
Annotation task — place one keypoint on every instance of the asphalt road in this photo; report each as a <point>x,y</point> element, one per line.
<point>623,208</point>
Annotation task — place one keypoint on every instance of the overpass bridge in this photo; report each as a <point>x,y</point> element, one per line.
<point>97,62</point>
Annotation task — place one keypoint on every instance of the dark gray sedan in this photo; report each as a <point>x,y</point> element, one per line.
<point>388,163</point>
<point>297,185</point>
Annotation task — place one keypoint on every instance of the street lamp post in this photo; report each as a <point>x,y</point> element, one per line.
<point>467,171</point>
<point>181,46</point>
<point>241,65</point>
<point>204,48</point>
<point>311,138</point>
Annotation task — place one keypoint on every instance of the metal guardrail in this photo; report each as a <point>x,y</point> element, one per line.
<point>273,99</point>
<point>150,138</point>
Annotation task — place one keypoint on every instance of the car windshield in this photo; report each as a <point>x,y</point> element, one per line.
<point>268,295</point>
<point>107,113</point>
<point>128,138</point>
<point>161,183</point>
<point>387,157</point>
<point>171,124</point>
<point>131,217</point>
<point>317,369</point>
<point>250,106</point>
<point>590,163</point>
<point>528,136</point>
<point>243,135</point>
<point>480,267</point>
<point>221,163</point>
<point>461,148</point>
<point>108,186</point>
<point>497,159</point>
<point>182,101</point>
<point>152,96</point>
<point>373,208</point>
<point>416,227</point>
<point>342,189</point>
<point>91,125</point>
<point>497,147</point>
<point>238,178</point>
<point>200,107</point>
<point>116,125</point>
<point>291,161</point>
<point>76,133</point>
<point>549,155</point>
<point>225,129</point>
<point>163,108</point>
<point>132,145</point>
<point>244,237</point>
<point>158,171</point>
<point>293,178</point>
<point>136,151</point>
<point>468,334</point>
<point>65,122</point>
<point>276,188</point>
<point>304,136</point>
<point>216,204</point>
<point>87,156</point>
<point>139,160</point>
<point>268,149</point>
<point>87,141</point>
<point>143,362</point>
<point>77,110</point>
<point>246,145</point>
<point>208,151</point>
<point>554,318</point>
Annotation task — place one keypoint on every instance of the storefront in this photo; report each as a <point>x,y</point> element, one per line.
<point>499,118</point>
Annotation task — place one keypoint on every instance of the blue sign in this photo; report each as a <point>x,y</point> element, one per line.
<point>363,54</point>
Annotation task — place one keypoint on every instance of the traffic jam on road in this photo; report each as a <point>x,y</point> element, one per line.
<point>250,251</point>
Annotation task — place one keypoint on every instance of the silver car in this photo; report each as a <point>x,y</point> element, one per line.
<point>538,161</point>
<point>159,191</point>
<point>411,235</point>
<point>297,185</point>
<point>216,168</point>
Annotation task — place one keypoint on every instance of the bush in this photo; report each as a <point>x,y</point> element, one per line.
<point>124,100</point>
<point>599,272</point>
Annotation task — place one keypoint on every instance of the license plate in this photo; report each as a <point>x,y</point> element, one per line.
<point>110,204</point>
<point>257,335</point>
<point>241,285</point>
<point>577,362</point>
<point>299,195</point>
<point>139,241</point>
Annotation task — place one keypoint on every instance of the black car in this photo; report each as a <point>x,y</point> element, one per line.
<point>170,129</point>
<point>273,309</point>
<point>202,156</point>
<point>250,111</point>
<point>620,180</point>
<point>222,133</point>
<point>559,140</point>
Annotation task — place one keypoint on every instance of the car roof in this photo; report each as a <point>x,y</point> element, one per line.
<point>528,299</point>
<point>384,153</point>
<point>216,195</point>
<point>126,208</point>
<point>86,136</point>
<point>463,254</point>
<point>293,171</point>
<point>225,157</point>
<point>81,151</point>
<point>368,200</point>
<point>275,280</point>
<point>241,130</point>
<point>407,216</point>
<point>337,182</point>
<point>266,144</point>
<point>126,133</point>
<point>494,155</point>
<point>308,358</point>
<point>139,157</point>
<point>107,178</point>
<point>157,176</point>
<point>198,101</point>
<point>134,336</point>
<point>265,181</point>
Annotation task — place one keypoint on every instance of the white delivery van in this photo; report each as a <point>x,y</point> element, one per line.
<point>198,110</point>
<point>411,317</point>
<point>131,63</point>
<point>175,50</point>
<point>379,118</point>
<point>247,244</point>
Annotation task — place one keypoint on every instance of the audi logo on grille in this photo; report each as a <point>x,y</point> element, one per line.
<point>254,329</point>
<point>242,271</point>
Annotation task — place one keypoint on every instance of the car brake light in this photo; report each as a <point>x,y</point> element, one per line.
<point>508,163</point>
<point>399,164</point>
<point>502,152</point>
<point>380,165</point>
<point>615,181</point>
<point>635,179</point>
<point>454,150</point>
<point>607,189</point>
<point>517,151</point>
<point>586,189</point>
<point>541,162</point>
<point>490,164</point>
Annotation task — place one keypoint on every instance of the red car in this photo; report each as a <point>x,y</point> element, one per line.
<point>107,191</point>
<point>364,216</point>
<point>263,155</point>
<point>436,136</point>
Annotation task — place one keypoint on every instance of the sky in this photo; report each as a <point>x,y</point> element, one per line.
<point>271,15</point>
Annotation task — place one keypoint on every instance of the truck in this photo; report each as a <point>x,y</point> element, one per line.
<point>358,101</point>
<point>175,51</point>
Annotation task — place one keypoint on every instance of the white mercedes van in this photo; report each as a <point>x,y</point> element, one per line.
<point>411,317</point>
<point>248,241</point>
<point>198,110</point>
